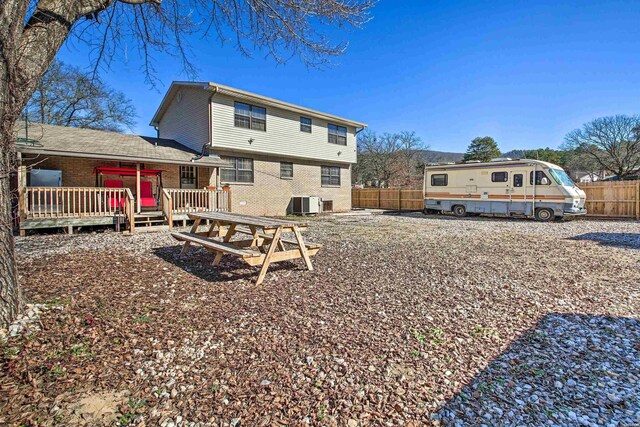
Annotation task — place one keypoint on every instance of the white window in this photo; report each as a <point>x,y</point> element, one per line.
<point>337,134</point>
<point>187,177</point>
<point>286,170</point>
<point>305,124</point>
<point>330,175</point>
<point>239,169</point>
<point>250,116</point>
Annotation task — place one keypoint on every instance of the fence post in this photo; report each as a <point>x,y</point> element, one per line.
<point>638,200</point>
<point>379,191</point>
<point>399,199</point>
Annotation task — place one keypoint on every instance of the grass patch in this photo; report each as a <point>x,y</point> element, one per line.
<point>142,319</point>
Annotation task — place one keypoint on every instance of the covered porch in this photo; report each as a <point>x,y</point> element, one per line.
<point>127,181</point>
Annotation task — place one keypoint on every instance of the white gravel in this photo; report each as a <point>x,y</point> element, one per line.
<point>570,370</point>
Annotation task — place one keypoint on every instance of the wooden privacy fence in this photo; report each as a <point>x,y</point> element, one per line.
<point>388,198</point>
<point>614,199</point>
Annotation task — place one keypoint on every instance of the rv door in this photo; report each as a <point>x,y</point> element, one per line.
<point>518,193</point>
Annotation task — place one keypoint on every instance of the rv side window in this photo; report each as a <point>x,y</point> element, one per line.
<point>517,180</point>
<point>439,180</point>
<point>539,176</point>
<point>499,177</point>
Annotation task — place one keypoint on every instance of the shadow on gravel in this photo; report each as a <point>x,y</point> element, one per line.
<point>569,369</point>
<point>198,261</point>
<point>619,240</point>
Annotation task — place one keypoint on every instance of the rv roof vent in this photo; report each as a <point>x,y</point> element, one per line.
<point>473,161</point>
<point>501,159</point>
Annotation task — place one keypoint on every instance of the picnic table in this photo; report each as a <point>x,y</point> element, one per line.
<point>265,244</point>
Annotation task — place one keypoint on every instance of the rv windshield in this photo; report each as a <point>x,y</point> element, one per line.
<point>561,177</point>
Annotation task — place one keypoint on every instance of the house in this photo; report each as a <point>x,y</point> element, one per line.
<point>217,148</point>
<point>274,150</point>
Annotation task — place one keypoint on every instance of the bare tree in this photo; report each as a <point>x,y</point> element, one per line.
<point>612,142</point>
<point>66,96</point>
<point>389,159</point>
<point>32,32</point>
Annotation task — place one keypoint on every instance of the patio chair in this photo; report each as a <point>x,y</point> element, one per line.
<point>115,199</point>
<point>146,195</point>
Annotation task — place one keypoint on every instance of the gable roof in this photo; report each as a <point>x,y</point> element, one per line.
<point>244,95</point>
<point>96,144</point>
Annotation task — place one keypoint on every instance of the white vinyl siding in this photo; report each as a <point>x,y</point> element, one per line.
<point>282,137</point>
<point>186,119</point>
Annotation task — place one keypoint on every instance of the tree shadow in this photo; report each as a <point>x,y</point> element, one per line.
<point>569,369</point>
<point>619,240</point>
<point>198,261</point>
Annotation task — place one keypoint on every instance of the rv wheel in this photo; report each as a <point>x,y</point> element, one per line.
<point>544,215</point>
<point>459,211</point>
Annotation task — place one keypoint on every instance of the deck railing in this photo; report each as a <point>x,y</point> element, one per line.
<point>76,202</point>
<point>72,202</point>
<point>180,201</point>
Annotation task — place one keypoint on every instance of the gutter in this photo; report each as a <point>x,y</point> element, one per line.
<point>116,157</point>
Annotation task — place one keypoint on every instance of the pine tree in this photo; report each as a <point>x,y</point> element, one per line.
<point>482,148</point>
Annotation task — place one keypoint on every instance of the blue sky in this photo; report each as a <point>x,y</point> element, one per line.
<point>523,72</point>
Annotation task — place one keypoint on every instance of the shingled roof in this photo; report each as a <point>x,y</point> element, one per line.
<point>95,144</point>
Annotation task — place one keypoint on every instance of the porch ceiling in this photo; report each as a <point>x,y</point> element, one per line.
<point>93,144</point>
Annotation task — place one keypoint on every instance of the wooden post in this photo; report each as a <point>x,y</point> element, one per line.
<point>378,198</point>
<point>267,258</point>
<point>138,208</point>
<point>638,200</point>
<point>399,199</point>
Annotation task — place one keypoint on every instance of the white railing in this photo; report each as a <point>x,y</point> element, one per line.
<point>75,202</point>
<point>72,202</point>
<point>179,201</point>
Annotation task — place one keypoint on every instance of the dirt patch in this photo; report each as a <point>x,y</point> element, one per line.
<point>96,409</point>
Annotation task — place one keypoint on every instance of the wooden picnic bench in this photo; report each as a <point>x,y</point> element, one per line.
<point>265,245</point>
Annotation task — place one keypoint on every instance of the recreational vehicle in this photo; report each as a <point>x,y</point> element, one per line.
<point>505,187</point>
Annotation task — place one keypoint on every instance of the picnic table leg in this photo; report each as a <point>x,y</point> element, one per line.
<point>303,248</point>
<point>212,231</point>
<point>256,237</point>
<point>194,228</point>
<point>267,258</point>
<point>230,232</point>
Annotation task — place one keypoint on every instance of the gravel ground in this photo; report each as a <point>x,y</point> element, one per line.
<point>406,320</point>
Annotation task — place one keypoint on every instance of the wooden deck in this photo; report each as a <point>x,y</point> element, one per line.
<point>69,207</point>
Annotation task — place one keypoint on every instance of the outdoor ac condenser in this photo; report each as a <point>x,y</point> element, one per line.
<point>305,205</point>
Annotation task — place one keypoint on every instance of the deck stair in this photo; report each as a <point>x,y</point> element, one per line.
<point>149,219</point>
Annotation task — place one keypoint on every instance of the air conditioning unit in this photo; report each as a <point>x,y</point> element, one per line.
<point>305,205</point>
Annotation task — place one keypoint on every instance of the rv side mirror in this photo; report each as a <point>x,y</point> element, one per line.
<point>544,181</point>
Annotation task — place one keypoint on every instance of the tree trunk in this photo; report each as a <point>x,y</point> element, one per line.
<point>10,295</point>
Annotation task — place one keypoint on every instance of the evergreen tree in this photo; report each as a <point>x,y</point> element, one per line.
<point>482,148</point>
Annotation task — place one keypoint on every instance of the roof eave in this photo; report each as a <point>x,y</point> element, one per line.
<point>230,91</point>
<point>155,121</point>
<point>101,156</point>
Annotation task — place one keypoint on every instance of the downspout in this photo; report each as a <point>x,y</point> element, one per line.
<point>214,91</point>
<point>210,124</point>
<point>217,171</point>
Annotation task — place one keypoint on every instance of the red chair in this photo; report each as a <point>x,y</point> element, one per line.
<point>146,195</point>
<point>115,199</point>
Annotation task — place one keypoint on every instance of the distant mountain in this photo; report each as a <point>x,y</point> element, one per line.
<point>432,156</point>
